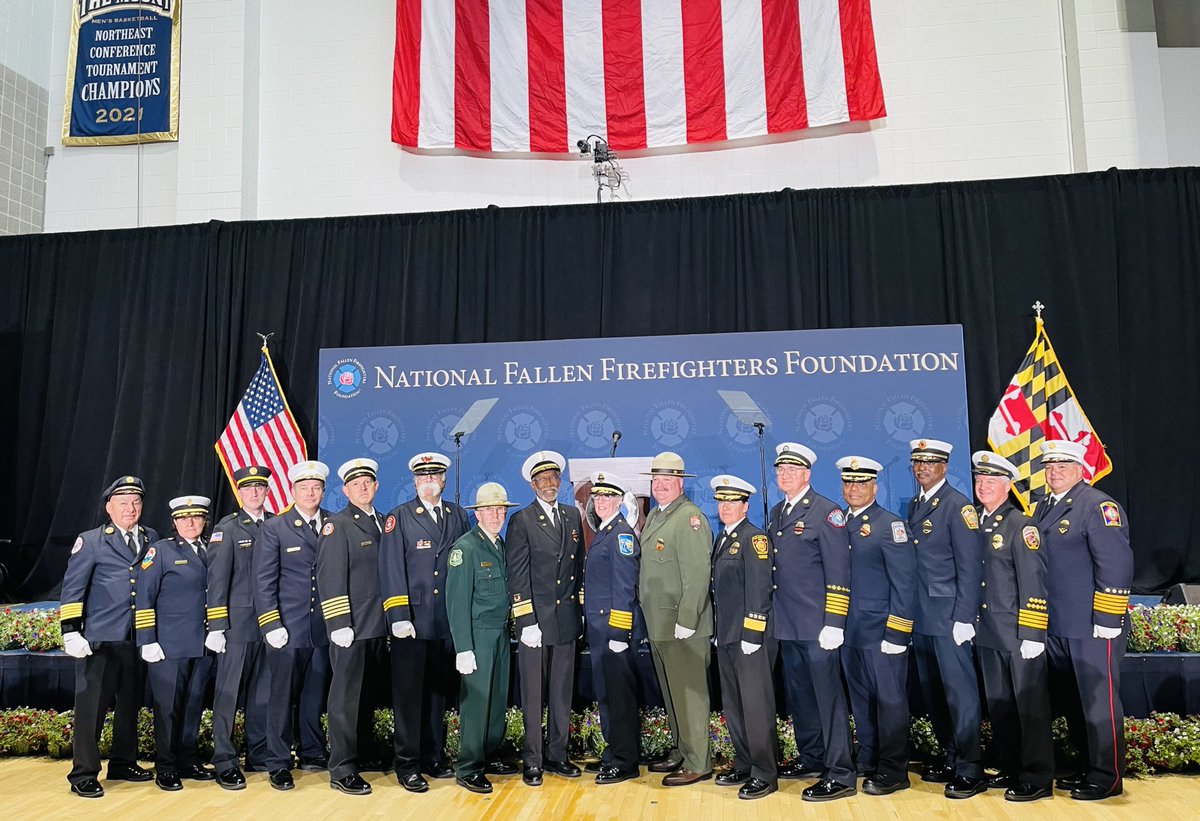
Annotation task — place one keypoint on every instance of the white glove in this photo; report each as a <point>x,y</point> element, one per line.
<point>748,648</point>
<point>215,641</point>
<point>962,632</point>
<point>1101,632</point>
<point>464,662</point>
<point>831,638</point>
<point>277,637</point>
<point>682,632</point>
<point>152,652</point>
<point>531,636</point>
<point>343,636</point>
<point>404,630</point>
<point>76,645</point>
<point>1031,649</point>
<point>889,649</point>
<point>618,646</point>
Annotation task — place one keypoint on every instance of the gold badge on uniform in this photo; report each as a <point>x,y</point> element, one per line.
<point>799,528</point>
<point>865,530</point>
<point>970,517</point>
<point>936,500</point>
<point>1064,526</point>
<point>997,541</point>
<point>420,510</point>
<point>926,527</point>
<point>760,545</point>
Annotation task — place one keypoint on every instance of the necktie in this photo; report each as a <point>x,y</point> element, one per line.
<point>312,524</point>
<point>375,519</point>
<point>433,511</point>
<point>787,509</point>
<point>554,516</point>
<point>921,501</point>
<point>131,544</point>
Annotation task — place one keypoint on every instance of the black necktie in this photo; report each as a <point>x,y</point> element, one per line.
<point>921,500</point>
<point>787,510</point>
<point>312,524</point>
<point>131,544</point>
<point>378,524</point>
<point>554,516</point>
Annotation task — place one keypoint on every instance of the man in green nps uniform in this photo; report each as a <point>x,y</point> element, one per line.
<point>477,608</point>
<point>673,588</point>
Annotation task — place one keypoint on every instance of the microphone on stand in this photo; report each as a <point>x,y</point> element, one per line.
<point>616,438</point>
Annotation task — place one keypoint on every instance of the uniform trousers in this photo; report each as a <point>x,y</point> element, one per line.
<point>813,677</point>
<point>113,670</point>
<point>878,685</point>
<point>483,698</point>
<point>423,683</point>
<point>299,685</point>
<point>950,688</point>
<point>177,687</point>
<point>547,679</point>
<point>614,680</point>
<point>1085,683</point>
<point>241,681</point>
<point>682,668</point>
<point>1018,703</point>
<point>351,709</point>
<point>748,698</point>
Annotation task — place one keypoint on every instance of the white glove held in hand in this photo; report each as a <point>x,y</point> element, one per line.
<point>531,636</point>
<point>404,630</point>
<point>1100,632</point>
<point>889,649</point>
<point>831,638</point>
<point>682,632</point>
<point>1031,649</point>
<point>76,645</point>
<point>618,646</point>
<point>748,648</point>
<point>464,662</point>
<point>215,641</point>
<point>277,637</point>
<point>153,652</point>
<point>962,632</point>
<point>343,636</point>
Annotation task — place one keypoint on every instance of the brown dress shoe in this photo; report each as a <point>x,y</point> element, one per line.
<point>683,776</point>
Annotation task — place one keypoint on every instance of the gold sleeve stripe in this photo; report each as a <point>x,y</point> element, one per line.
<point>620,619</point>
<point>73,610</point>
<point>899,625</point>
<point>333,614</point>
<point>837,603</point>
<point>1110,604</point>
<point>336,600</point>
<point>268,617</point>
<point>1028,618</point>
<point>758,625</point>
<point>395,601</point>
<point>144,618</point>
<point>218,613</point>
<point>522,609</point>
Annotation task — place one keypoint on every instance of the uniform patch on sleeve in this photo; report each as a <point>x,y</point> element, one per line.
<point>970,517</point>
<point>695,522</point>
<point>625,543</point>
<point>456,557</point>
<point>899,534</point>
<point>1033,539</point>
<point>75,548</point>
<point>761,546</point>
<point>390,524</point>
<point>1111,514</point>
<point>328,529</point>
<point>148,559</point>
<point>218,536</point>
<point>836,517</point>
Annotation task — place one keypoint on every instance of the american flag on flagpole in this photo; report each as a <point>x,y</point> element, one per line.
<point>539,75</point>
<point>262,431</point>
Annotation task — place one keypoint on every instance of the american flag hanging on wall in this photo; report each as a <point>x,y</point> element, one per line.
<point>539,75</point>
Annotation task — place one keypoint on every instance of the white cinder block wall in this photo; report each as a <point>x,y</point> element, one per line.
<point>286,110</point>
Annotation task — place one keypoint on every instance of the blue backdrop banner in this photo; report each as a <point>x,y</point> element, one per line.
<point>863,391</point>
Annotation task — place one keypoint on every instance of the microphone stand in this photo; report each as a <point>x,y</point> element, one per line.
<point>762,464</point>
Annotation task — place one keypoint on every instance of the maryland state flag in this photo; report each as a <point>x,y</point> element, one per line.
<point>1037,405</point>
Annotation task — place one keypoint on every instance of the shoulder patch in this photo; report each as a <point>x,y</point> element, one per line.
<point>836,517</point>
<point>148,559</point>
<point>1111,514</point>
<point>695,522</point>
<point>390,524</point>
<point>456,557</point>
<point>1033,539</point>
<point>75,548</point>
<point>970,517</point>
<point>625,543</point>
<point>761,547</point>
<point>899,534</point>
<point>328,529</point>
<point>218,536</point>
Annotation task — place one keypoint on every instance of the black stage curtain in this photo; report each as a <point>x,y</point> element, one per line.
<point>127,350</point>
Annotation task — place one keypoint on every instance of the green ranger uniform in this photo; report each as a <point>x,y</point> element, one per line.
<point>478,609</point>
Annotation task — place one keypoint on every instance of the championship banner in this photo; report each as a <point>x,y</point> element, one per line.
<point>123,72</point>
<point>862,391</point>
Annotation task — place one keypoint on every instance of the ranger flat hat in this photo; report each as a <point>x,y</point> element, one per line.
<point>491,494</point>
<point>667,463</point>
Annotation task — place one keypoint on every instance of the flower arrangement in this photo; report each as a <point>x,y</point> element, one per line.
<point>36,630</point>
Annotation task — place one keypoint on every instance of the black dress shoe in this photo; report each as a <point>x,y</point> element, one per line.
<point>1070,782</point>
<point>937,773</point>
<point>1091,792</point>
<point>438,769</point>
<point>963,787</point>
<point>129,772</point>
<point>500,768</point>
<point>1002,780</point>
<point>593,766</point>
<point>413,782</point>
<point>231,779</point>
<point>828,790</point>
<point>168,781</point>
<point>880,784</point>
<point>87,788</point>
<point>532,776</point>
<point>1027,792</point>
<point>351,785</point>
<point>314,763</point>
<point>564,768</point>
<point>667,765</point>
<point>196,772</point>
<point>756,788</point>
<point>475,783</point>
<point>794,769</point>
<point>611,775</point>
<point>281,779</point>
<point>731,778</point>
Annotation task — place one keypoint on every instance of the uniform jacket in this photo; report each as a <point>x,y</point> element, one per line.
<point>611,577</point>
<point>230,577</point>
<point>348,573</point>
<point>675,571</point>
<point>99,588</point>
<point>285,580</point>
<point>1089,561</point>
<point>171,600</point>
<point>545,571</point>
<point>476,593</point>
<point>812,568</point>
<point>883,575</point>
<point>945,532</point>
<point>741,584</point>
<point>1014,605</point>
<point>412,565</point>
